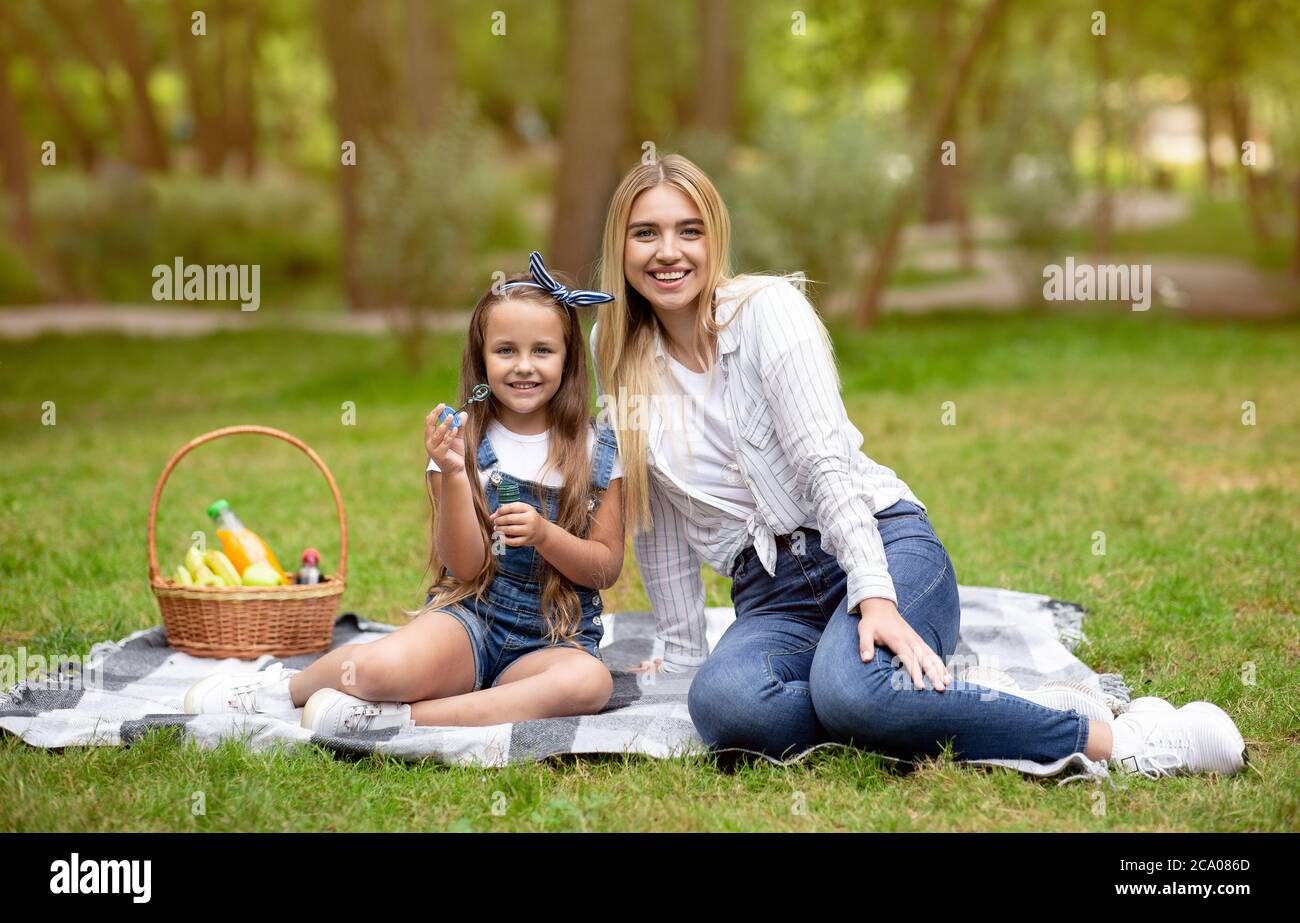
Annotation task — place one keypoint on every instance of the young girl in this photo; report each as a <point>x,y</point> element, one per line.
<point>511,627</point>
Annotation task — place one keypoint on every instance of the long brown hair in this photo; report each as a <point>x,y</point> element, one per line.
<point>569,420</point>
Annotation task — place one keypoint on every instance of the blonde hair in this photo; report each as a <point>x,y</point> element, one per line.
<point>625,346</point>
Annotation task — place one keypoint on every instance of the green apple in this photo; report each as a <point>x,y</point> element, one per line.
<point>261,574</point>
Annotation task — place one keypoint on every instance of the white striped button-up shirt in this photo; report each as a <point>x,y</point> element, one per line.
<point>797,451</point>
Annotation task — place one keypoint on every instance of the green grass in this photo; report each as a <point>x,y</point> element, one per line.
<point>1124,423</point>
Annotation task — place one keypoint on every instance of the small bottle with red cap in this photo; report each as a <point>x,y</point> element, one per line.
<point>310,571</point>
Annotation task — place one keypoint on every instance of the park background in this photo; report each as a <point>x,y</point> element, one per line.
<point>921,163</point>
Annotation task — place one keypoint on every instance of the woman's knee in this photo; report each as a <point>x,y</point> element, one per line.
<point>735,702</point>
<point>936,614</point>
<point>859,700</point>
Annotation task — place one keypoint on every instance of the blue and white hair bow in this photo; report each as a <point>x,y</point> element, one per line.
<point>575,298</point>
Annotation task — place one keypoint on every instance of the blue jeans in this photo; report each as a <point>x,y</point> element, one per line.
<point>787,675</point>
<point>506,625</point>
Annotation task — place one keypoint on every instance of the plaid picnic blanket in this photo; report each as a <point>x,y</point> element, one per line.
<point>124,688</point>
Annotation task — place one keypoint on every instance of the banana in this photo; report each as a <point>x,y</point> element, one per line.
<point>205,577</point>
<point>194,560</point>
<point>182,576</point>
<point>222,566</point>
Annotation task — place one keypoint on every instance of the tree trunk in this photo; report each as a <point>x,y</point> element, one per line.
<point>1239,112</point>
<point>1205,101</point>
<point>220,76</point>
<point>14,159</point>
<point>593,129</point>
<point>965,226</point>
<point>73,23</point>
<point>1295,255</point>
<point>356,47</point>
<point>428,62</point>
<point>82,143</point>
<point>715,93</point>
<point>125,37</point>
<point>335,20</point>
<point>1103,217</point>
<point>245,97</point>
<point>941,182</point>
<point>192,52</point>
<point>868,308</point>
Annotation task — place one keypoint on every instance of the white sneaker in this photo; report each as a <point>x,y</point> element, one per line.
<point>332,713</point>
<point>1154,739</point>
<point>1149,703</point>
<point>265,692</point>
<point>1060,694</point>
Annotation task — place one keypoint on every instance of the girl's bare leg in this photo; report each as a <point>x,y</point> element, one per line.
<point>1100,743</point>
<point>552,683</point>
<point>427,658</point>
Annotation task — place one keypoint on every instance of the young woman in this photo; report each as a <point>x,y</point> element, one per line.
<point>846,600</point>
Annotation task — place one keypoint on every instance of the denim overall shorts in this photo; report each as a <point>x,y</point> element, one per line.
<point>507,622</point>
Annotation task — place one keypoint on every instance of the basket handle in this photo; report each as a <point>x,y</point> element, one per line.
<point>155,574</point>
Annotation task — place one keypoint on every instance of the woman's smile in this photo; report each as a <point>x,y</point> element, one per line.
<point>665,256</point>
<point>669,280</point>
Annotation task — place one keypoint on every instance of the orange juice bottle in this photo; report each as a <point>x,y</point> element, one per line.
<point>241,544</point>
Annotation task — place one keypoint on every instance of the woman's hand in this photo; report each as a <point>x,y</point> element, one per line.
<point>519,524</point>
<point>649,666</point>
<point>882,624</point>
<point>444,443</point>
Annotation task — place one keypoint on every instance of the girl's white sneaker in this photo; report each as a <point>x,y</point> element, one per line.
<point>332,713</point>
<point>265,692</point>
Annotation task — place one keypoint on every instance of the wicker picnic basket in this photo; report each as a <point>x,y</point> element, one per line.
<point>246,621</point>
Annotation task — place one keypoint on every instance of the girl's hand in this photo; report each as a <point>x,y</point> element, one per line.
<point>519,524</point>
<point>444,443</point>
<point>882,624</point>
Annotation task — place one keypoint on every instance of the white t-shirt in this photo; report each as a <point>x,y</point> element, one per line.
<point>522,457</point>
<point>711,465</point>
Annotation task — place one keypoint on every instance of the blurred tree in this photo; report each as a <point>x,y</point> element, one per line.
<point>715,91</point>
<point>366,95</point>
<point>428,62</point>
<point>593,129</point>
<point>958,77</point>
<point>27,27</point>
<point>197,63</point>
<point>125,37</point>
<point>14,154</point>
<point>76,28</point>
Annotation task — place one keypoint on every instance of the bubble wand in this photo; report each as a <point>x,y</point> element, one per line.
<point>479,393</point>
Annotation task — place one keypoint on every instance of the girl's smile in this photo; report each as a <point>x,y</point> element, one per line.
<point>524,356</point>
